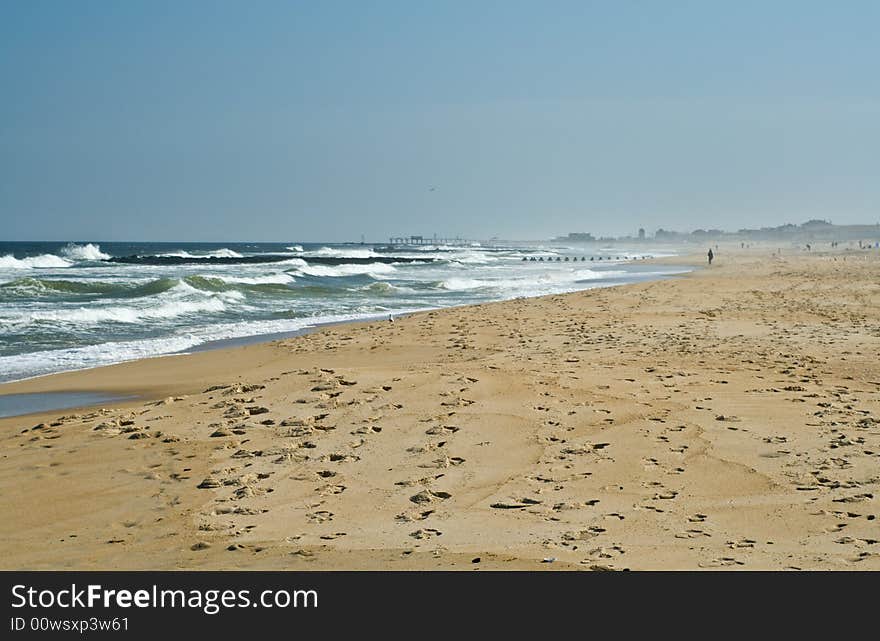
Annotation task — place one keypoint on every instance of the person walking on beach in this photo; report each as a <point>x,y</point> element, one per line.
<point>711,255</point>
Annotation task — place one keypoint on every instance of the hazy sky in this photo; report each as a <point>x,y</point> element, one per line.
<point>322,120</point>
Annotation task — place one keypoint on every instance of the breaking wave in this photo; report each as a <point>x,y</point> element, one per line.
<point>327,271</point>
<point>217,253</point>
<point>89,251</point>
<point>33,262</point>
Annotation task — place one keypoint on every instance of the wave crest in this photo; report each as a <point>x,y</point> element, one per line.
<point>216,253</point>
<point>345,253</point>
<point>89,251</point>
<point>33,262</point>
<point>370,269</point>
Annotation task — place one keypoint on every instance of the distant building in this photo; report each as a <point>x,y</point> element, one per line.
<point>665,235</point>
<point>576,237</point>
<point>641,233</point>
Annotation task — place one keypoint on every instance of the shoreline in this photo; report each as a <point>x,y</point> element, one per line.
<point>728,419</point>
<point>688,261</point>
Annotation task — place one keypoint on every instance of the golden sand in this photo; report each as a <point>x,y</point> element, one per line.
<point>724,419</point>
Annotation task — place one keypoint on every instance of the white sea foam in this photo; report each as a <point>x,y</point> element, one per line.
<point>383,288</point>
<point>297,262</point>
<point>38,363</point>
<point>332,271</point>
<point>88,251</point>
<point>180,300</point>
<point>217,253</point>
<point>460,284</point>
<point>121,313</point>
<point>534,281</point>
<point>343,253</point>
<point>281,278</point>
<point>471,257</point>
<point>33,262</point>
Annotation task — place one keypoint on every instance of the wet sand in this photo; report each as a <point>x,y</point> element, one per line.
<point>21,404</point>
<point>723,419</point>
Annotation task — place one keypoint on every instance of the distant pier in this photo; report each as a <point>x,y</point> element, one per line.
<point>430,240</point>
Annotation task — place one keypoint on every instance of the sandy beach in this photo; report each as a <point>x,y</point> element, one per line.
<point>725,419</point>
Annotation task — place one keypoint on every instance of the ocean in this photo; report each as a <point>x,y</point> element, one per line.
<point>67,306</point>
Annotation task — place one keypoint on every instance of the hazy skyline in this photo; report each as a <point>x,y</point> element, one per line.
<point>224,121</point>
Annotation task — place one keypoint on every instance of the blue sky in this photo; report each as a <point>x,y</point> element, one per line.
<point>161,120</point>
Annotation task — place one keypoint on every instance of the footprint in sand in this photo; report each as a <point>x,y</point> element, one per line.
<point>407,517</point>
<point>430,496</point>
<point>444,462</point>
<point>427,480</point>
<point>340,457</point>
<point>442,429</point>
<point>427,447</point>
<point>372,429</point>
<point>583,535</point>
<point>321,516</point>
<point>330,489</point>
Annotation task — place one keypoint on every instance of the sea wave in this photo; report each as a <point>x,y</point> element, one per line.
<point>172,298</point>
<point>33,262</point>
<point>120,313</point>
<point>461,284</point>
<point>26,287</point>
<point>216,253</point>
<point>472,257</point>
<point>30,287</point>
<point>19,366</point>
<point>282,278</point>
<point>239,287</point>
<point>327,271</point>
<point>89,251</point>
<point>529,283</point>
<point>344,253</point>
<point>183,258</point>
<point>40,288</point>
<point>381,288</point>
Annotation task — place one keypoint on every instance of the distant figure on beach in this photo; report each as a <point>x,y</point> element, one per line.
<point>390,318</point>
<point>711,255</point>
